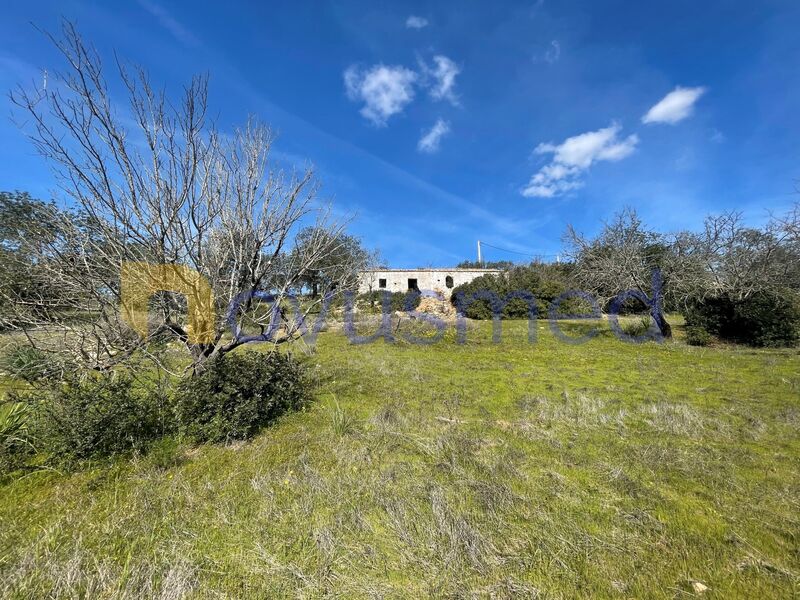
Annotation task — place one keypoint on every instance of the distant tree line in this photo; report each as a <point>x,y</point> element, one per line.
<point>490,264</point>
<point>731,280</point>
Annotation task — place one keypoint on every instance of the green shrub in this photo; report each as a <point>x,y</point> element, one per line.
<point>237,395</point>
<point>399,301</point>
<point>767,319</point>
<point>14,439</point>
<point>761,319</point>
<point>697,336</point>
<point>30,364</point>
<point>630,306</point>
<point>545,282</point>
<point>165,453</point>
<point>715,315</point>
<point>95,416</point>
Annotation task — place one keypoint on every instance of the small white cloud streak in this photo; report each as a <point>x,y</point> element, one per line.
<point>429,142</point>
<point>385,91</point>
<point>415,22</point>
<point>166,20</point>
<point>675,106</point>
<point>443,73</point>
<point>553,53</point>
<point>574,156</point>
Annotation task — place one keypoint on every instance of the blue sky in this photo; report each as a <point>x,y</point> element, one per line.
<point>437,124</point>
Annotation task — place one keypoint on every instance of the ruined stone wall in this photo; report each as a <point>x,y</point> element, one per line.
<point>397,280</point>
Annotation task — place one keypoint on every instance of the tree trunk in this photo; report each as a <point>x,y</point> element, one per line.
<point>663,326</point>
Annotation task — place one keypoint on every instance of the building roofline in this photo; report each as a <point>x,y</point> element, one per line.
<point>436,270</point>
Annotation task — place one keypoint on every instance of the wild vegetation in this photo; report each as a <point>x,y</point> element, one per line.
<point>541,282</point>
<point>734,282</point>
<point>603,469</point>
<point>162,202</point>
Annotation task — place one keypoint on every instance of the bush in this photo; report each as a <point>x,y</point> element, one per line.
<point>545,282</point>
<point>761,319</point>
<point>14,443</point>
<point>237,395</point>
<point>165,453</point>
<point>630,306</point>
<point>769,319</point>
<point>399,301</point>
<point>30,364</point>
<point>714,315</point>
<point>98,416</point>
<point>697,336</point>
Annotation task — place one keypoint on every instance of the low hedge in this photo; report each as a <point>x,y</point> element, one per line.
<point>764,318</point>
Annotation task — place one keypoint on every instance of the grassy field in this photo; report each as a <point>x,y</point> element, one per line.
<point>479,470</point>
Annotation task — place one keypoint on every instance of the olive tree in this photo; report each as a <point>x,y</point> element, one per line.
<point>738,261</point>
<point>726,259</point>
<point>624,256</point>
<point>338,270</point>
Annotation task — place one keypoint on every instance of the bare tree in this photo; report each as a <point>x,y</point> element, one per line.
<point>157,184</point>
<point>789,225</point>
<point>726,258</point>
<point>624,256</point>
<point>738,261</point>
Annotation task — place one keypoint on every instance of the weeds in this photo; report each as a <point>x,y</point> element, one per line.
<point>343,422</point>
<point>15,442</point>
<point>482,470</point>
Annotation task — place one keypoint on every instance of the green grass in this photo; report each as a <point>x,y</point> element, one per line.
<point>478,470</point>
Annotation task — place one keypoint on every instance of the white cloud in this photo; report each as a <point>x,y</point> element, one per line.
<point>387,90</point>
<point>414,22</point>
<point>675,106</point>
<point>169,23</point>
<point>574,156</point>
<point>384,90</point>
<point>550,55</point>
<point>582,150</point>
<point>553,52</point>
<point>444,74</point>
<point>429,142</point>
